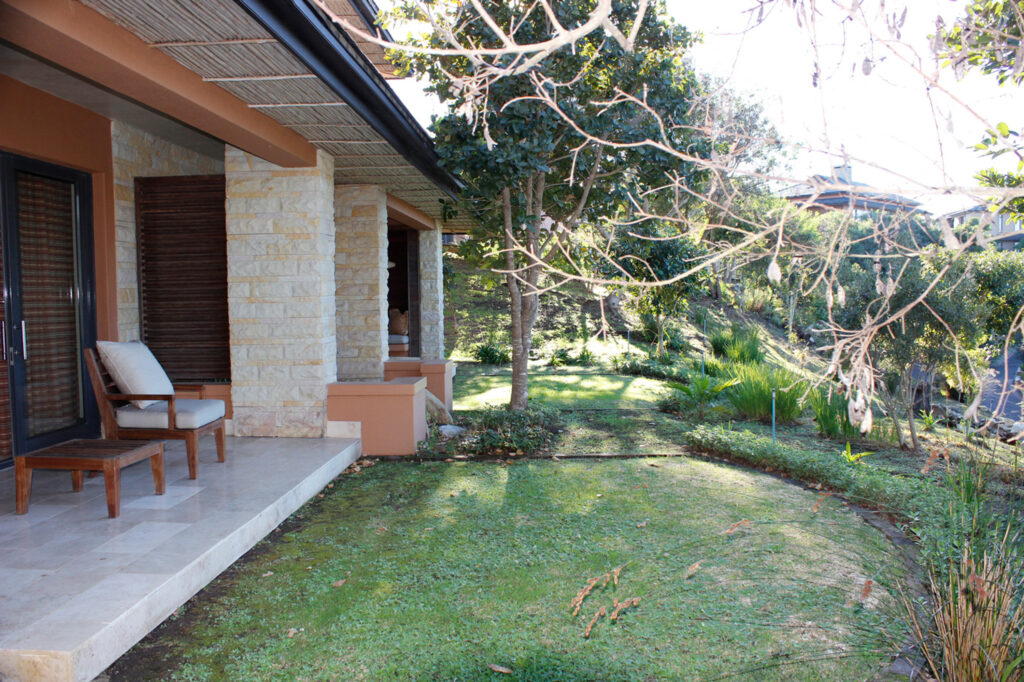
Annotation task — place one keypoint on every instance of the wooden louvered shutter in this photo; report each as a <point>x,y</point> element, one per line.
<point>183,281</point>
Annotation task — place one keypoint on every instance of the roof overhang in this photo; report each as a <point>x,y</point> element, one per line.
<point>336,59</point>
<point>83,41</point>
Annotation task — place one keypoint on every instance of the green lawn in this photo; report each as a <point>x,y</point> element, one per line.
<point>579,388</point>
<point>449,568</point>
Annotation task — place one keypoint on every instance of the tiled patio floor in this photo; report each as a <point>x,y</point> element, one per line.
<point>78,589</point>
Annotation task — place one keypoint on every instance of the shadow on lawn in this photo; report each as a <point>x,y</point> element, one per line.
<point>536,665</point>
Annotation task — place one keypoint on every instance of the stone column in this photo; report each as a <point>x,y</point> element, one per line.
<point>431,296</point>
<point>280,227</point>
<point>361,257</point>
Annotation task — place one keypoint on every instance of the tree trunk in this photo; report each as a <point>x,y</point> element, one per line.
<point>659,321</point>
<point>791,315</point>
<point>520,355</point>
<point>909,385</point>
<point>523,305</point>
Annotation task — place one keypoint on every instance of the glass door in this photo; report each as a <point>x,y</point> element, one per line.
<point>49,302</point>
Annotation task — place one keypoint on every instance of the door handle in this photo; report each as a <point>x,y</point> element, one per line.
<point>24,340</point>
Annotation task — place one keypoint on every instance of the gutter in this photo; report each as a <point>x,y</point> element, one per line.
<point>336,59</point>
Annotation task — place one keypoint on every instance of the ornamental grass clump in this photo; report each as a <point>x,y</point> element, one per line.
<point>832,416</point>
<point>739,344</point>
<point>751,395</point>
<point>975,629</point>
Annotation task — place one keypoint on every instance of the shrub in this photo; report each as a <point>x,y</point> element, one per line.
<point>499,431</point>
<point>756,300</point>
<point>832,416</point>
<point>697,396</point>
<point>585,357</point>
<point>491,353</point>
<point>751,397</point>
<point>560,357</point>
<point>647,367</point>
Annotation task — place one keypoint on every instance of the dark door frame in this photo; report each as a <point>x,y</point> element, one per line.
<point>89,425</point>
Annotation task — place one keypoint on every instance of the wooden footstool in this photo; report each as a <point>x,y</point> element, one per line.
<point>108,456</point>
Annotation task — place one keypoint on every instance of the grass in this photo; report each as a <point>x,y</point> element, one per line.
<point>490,387</point>
<point>449,568</point>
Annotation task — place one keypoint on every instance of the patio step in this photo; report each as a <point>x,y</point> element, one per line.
<point>77,589</point>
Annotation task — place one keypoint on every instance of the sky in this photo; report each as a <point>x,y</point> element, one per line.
<point>897,132</point>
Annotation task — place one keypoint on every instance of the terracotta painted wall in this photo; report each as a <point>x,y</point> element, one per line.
<point>35,124</point>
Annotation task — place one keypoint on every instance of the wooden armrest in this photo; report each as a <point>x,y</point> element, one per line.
<point>171,420</point>
<point>138,396</point>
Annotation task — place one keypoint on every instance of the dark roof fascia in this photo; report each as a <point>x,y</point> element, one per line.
<point>368,12</point>
<point>337,60</point>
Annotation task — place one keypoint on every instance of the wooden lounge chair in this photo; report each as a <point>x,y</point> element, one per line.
<point>147,414</point>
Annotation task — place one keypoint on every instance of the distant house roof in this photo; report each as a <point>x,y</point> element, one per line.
<point>838,191</point>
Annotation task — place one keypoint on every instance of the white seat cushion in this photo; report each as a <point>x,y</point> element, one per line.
<point>398,338</point>
<point>135,370</point>
<point>188,414</point>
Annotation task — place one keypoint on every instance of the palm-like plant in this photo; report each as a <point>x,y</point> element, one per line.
<point>700,393</point>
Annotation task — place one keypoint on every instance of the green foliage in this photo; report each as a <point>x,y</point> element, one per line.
<point>498,432</point>
<point>988,37</point>
<point>585,357</point>
<point>739,344</point>
<point>642,366</point>
<point>560,357</point>
<point>928,420</point>
<point>999,277</point>
<point>854,457</point>
<point>832,416</point>
<point>713,367</point>
<point>492,353</point>
<point>751,396</point>
<point>694,397</point>
<point>657,254</point>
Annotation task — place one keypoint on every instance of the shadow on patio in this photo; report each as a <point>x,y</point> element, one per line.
<point>78,589</point>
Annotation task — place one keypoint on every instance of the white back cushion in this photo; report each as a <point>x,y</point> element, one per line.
<point>135,370</point>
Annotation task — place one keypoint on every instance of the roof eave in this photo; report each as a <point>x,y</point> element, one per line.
<point>335,59</point>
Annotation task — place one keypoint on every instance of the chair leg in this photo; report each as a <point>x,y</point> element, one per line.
<point>192,450</point>
<point>219,435</point>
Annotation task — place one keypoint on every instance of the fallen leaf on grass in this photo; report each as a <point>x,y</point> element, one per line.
<point>292,632</point>
<point>817,504</point>
<point>654,464</point>
<point>499,668</point>
<point>692,570</point>
<point>590,626</point>
<point>622,606</point>
<point>736,526</point>
<point>267,574</point>
<point>382,529</point>
<point>339,583</point>
<point>641,524</point>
